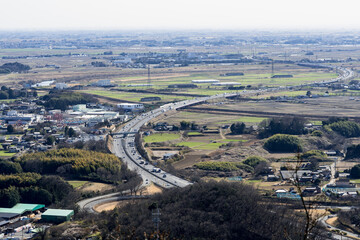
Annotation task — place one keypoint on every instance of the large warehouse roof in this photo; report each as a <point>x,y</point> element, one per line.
<point>58,212</point>
<point>20,208</point>
<point>28,207</point>
<point>12,210</point>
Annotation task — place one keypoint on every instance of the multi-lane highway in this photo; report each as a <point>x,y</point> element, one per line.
<point>124,145</point>
<point>124,139</point>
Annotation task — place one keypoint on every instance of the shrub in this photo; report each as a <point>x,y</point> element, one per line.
<point>346,128</point>
<point>284,125</point>
<point>355,171</point>
<point>317,133</point>
<point>353,152</point>
<point>283,143</point>
<point>314,154</point>
<point>237,128</point>
<point>253,161</point>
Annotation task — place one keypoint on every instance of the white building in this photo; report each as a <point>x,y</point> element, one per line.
<point>226,84</point>
<point>205,81</point>
<point>12,113</point>
<point>130,106</point>
<point>43,84</point>
<point>61,86</point>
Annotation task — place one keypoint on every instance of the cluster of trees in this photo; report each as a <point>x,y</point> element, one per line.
<point>92,145</point>
<point>254,161</point>
<point>205,210</point>
<point>13,67</point>
<point>237,128</point>
<point>331,120</point>
<point>353,152</point>
<point>355,171</point>
<point>223,166</point>
<point>69,132</point>
<point>9,93</point>
<point>284,125</point>
<point>283,143</point>
<point>19,179</point>
<point>314,154</point>
<point>98,64</point>
<point>184,125</point>
<point>9,167</point>
<point>32,188</point>
<point>75,163</point>
<point>62,100</point>
<point>346,128</point>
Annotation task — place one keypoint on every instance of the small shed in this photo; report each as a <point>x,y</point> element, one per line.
<point>57,215</point>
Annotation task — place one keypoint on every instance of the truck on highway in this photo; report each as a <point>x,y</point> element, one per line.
<point>157,170</point>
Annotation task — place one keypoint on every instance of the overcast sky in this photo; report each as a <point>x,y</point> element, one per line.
<point>179,14</point>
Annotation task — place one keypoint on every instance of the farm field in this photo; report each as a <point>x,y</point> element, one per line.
<point>161,137</point>
<point>209,119</point>
<point>340,106</point>
<point>245,120</point>
<point>5,153</point>
<point>208,89</point>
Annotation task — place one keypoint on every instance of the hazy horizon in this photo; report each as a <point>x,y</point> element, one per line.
<point>176,15</point>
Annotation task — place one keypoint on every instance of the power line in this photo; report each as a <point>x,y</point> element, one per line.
<point>155,213</point>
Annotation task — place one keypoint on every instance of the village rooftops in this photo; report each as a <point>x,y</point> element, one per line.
<point>290,174</point>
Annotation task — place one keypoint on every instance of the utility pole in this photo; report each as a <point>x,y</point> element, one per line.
<point>156,219</point>
<point>272,67</point>
<point>149,79</point>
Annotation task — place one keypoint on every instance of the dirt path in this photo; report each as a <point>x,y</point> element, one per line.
<point>221,134</point>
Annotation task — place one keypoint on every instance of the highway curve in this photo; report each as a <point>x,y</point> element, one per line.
<point>124,139</point>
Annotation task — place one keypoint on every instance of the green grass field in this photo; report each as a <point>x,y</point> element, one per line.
<point>190,144</point>
<point>209,146</point>
<point>77,184</point>
<point>233,140</point>
<point>316,122</point>
<point>161,137</point>
<point>194,134</point>
<point>201,145</point>
<point>5,153</point>
<point>245,120</point>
